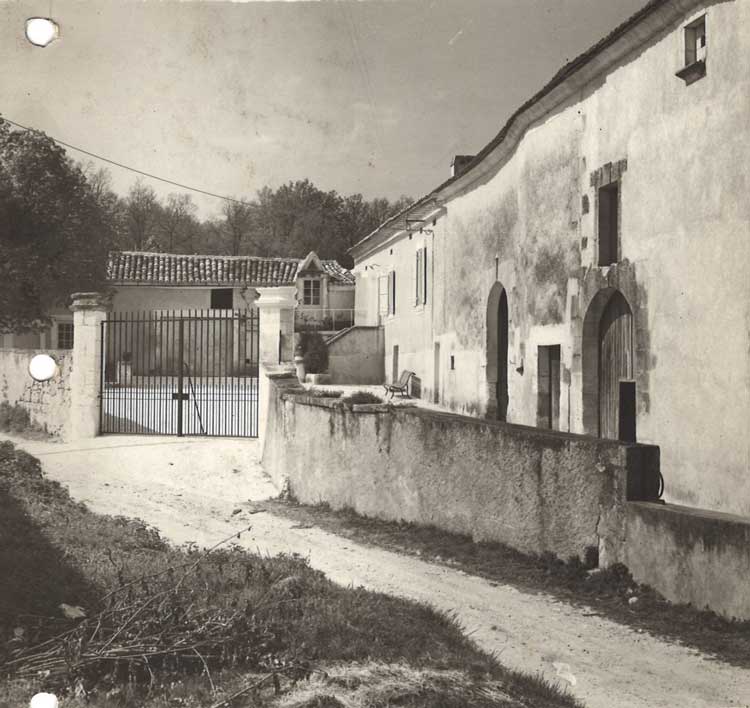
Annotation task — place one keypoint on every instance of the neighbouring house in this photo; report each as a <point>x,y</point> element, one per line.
<point>147,281</point>
<point>151,281</point>
<point>587,270</point>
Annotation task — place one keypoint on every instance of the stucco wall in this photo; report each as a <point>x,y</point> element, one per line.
<point>691,555</point>
<point>48,402</point>
<point>530,224</point>
<point>355,356</point>
<point>142,297</point>
<point>533,490</point>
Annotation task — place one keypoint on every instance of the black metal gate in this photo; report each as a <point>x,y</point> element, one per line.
<point>188,372</point>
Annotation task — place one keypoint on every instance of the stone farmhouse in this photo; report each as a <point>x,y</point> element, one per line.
<point>587,270</point>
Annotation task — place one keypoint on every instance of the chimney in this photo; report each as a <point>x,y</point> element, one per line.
<point>460,163</point>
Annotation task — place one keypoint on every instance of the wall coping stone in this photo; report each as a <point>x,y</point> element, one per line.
<point>513,428</point>
<point>642,460</point>
<point>90,301</point>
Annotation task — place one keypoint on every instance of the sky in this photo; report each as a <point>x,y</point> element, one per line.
<point>372,97</point>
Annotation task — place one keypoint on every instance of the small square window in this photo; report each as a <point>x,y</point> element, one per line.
<point>695,41</point>
<point>222,299</point>
<point>311,292</point>
<point>64,335</point>
<point>695,51</point>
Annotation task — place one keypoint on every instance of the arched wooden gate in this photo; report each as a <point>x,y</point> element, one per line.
<point>616,385</point>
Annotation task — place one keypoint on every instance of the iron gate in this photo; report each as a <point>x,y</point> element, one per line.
<point>188,372</point>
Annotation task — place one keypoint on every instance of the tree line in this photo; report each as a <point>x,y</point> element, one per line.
<point>292,220</point>
<point>59,219</point>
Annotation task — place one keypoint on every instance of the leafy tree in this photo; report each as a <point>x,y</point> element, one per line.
<point>54,233</point>
<point>235,229</point>
<point>176,223</point>
<point>142,213</point>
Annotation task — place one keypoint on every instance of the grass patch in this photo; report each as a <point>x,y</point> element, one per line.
<point>248,613</point>
<point>607,592</point>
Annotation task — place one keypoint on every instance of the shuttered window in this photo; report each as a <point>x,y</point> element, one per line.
<point>421,277</point>
<point>392,292</point>
<point>383,288</point>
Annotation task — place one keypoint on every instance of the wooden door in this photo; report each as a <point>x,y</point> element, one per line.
<point>615,362</point>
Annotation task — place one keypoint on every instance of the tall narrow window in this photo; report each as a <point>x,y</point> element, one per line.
<point>421,276</point>
<point>311,292</point>
<point>548,387</point>
<point>609,201</point>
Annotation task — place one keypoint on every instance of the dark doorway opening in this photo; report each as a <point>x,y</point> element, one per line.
<point>627,411</point>
<point>497,350</point>
<point>548,387</point>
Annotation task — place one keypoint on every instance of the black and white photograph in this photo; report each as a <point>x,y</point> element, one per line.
<point>375,354</point>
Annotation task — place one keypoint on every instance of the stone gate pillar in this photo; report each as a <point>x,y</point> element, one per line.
<point>276,314</point>
<point>89,310</point>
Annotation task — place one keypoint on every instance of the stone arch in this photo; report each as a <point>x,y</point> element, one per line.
<point>606,309</point>
<point>497,351</point>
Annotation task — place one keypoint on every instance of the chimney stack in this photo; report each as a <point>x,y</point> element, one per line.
<point>460,163</point>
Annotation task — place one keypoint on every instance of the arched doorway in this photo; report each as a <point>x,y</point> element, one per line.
<point>497,350</point>
<point>608,369</point>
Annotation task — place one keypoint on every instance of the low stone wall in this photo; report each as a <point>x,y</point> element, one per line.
<point>356,356</point>
<point>534,490</point>
<point>49,402</point>
<point>691,555</point>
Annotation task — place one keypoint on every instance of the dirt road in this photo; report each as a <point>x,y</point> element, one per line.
<point>190,489</point>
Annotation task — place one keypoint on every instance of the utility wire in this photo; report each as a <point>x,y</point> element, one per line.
<point>127,167</point>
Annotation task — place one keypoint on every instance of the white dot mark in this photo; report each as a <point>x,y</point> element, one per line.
<point>41,31</point>
<point>42,367</point>
<point>44,700</point>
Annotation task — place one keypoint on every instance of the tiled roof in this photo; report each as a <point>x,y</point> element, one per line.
<point>390,225</point>
<point>340,274</point>
<point>145,268</point>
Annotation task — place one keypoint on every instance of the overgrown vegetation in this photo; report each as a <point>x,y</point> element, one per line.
<point>102,608</point>
<point>314,352</point>
<point>611,592</point>
<point>324,393</point>
<point>16,419</point>
<point>361,397</point>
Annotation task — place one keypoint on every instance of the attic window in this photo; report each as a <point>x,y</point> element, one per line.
<point>695,51</point>
<point>311,292</point>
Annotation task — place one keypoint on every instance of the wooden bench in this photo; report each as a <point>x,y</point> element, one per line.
<point>401,386</point>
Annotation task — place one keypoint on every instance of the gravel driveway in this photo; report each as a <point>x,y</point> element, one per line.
<point>191,490</point>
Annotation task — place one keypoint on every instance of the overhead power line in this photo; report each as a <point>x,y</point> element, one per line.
<point>127,167</point>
